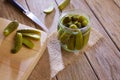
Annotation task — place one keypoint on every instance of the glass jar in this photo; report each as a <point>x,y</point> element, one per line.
<point>73,39</point>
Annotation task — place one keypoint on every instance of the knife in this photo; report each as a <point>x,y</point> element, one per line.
<point>29,14</point>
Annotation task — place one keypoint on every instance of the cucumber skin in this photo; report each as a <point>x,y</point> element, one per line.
<point>86,37</point>
<point>31,31</point>
<point>71,43</point>
<point>28,43</point>
<point>63,4</point>
<point>18,43</point>
<point>79,41</point>
<point>64,37</point>
<point>10,28</point>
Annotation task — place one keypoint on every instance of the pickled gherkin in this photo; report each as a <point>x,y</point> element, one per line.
<point>29,31</point>
<point>79,40</point>
<point>86,37</point>
<point>66,19</point>
<point>65,37</point>
<point>30,35</point>
<point>60,31</point>
<point>49,9</point>
<point>10,28</point>
<point>63,4</point>
<point>73,26</point>
<point>84,23</point>
<point>71,43</point>
<point>82,18</point>
<point>28,43</point>
<point>18,43</point>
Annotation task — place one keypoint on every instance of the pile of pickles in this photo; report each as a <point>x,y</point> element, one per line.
<point>22,37</point>
<point>73,32</point>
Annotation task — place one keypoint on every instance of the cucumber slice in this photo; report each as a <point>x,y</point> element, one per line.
<point>33,36</point>
<point>49,9</point>
<point>28,43</point>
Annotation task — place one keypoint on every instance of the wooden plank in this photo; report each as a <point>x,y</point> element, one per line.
<point>77,70</point>
<point>109,17</point>
<point>117,2</point>
<point>104,56</point>
<point>42,69</point>
<point>54,78</point>
<point>50,20</point>
<point>8,11</point>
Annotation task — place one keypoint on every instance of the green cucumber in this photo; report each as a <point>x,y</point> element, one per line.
<point>28,43</point>
<point>49,9</point>
<point>86,37</point>
<point>64,37</point>
<point>71,43</point>
<point>10,28</point>
<point>63,4</point>
<point>32,36</point>
<point>79,40</point>
<point>18,43</point>
<point>35,31</point>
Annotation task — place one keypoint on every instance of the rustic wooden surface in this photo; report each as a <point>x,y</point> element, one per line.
<point>102,62</point>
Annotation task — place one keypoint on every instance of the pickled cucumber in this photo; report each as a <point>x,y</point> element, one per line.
<point>35,31</point>
<point>71,43</point>
<point>82,18</point>
<point>28,43</point>
<point>30,35</point>
<point>73,26</point>
<point>63,4</point>
<point>75,17</point>
<point>86,37</point>
<point>66,19</point>
<point>49,9</point>
<point>10,28</point>
<point>79,40</point>
<point>60,31</point>
<point>84,23</point>
<point>79,25</point>
<point>18,43</point>
<point>64,37</point>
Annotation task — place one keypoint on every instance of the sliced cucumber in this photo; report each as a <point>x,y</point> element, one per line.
<point>28,43</point>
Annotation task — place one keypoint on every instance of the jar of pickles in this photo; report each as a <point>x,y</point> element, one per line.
<point>73,31</point>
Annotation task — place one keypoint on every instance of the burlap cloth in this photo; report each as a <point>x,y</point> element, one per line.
<point>56,59</point>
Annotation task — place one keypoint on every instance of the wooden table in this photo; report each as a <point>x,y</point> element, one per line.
<point>102,62</point>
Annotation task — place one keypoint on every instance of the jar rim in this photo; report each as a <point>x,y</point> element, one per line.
<point>82,14</point>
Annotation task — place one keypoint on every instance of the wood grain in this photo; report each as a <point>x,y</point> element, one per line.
<point>109,15</point>
<point>77,70</point>
<point>8,11</point>
<point>105,51</point>
<point>50,20</point>
<point>117,2</point>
